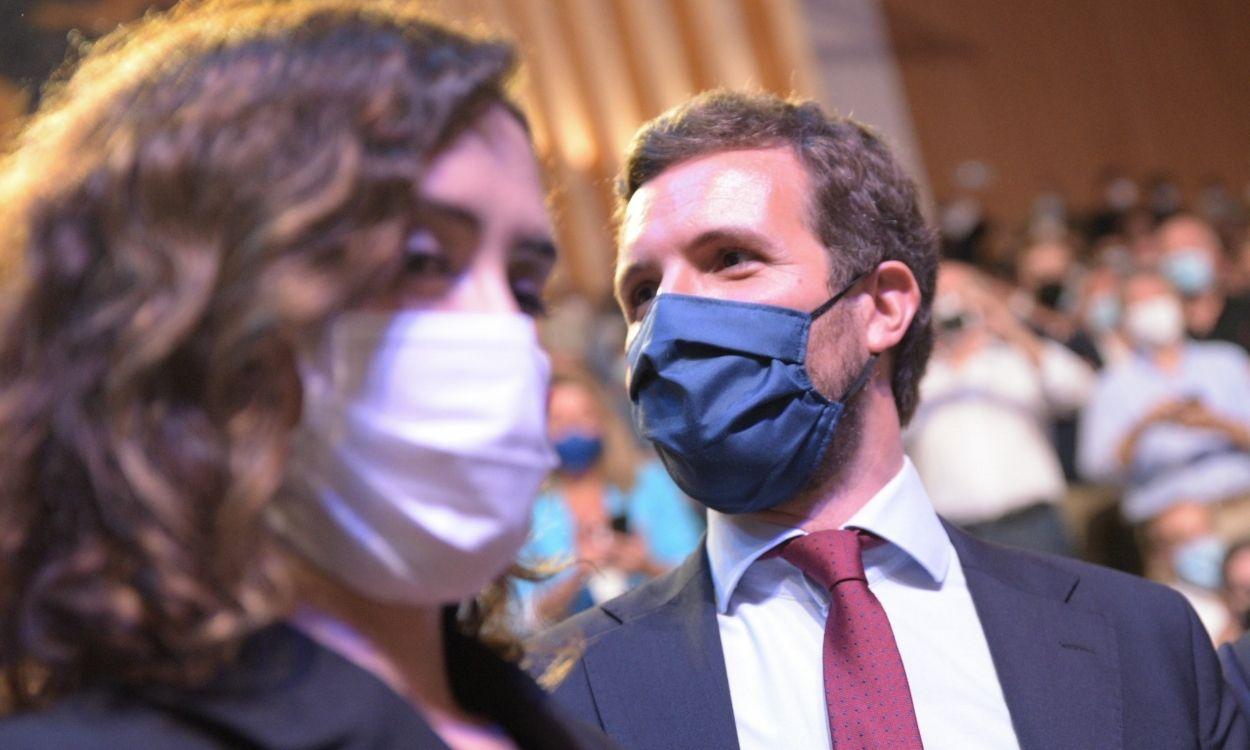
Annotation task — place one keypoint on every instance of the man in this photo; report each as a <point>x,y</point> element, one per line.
<point>1193,260</point>
<point>777,277</point>
<point>1172,422</point>
<point>1000,388</point>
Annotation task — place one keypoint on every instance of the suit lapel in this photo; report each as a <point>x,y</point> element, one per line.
<point>1058,665</point>
<point>659,681</point>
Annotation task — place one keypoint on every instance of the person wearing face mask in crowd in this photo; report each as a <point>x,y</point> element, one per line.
<point>1235,655</point>
<point>1099,312</point>
<point>1182,549</point>
<point>778,280</point>
<point>1049,278</point>
<point>1235,583</point>
<point>1172,423</point>
<point>272,391</point>
<point>999,387</point>
<point>1193,260</point>
<point>608,519</point>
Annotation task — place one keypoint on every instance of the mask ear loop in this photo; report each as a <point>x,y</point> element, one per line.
<point>865,373</point>
<point>829,303</point>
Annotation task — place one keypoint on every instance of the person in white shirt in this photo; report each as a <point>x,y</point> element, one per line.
<point>999,387</point>
<point>777,278</point>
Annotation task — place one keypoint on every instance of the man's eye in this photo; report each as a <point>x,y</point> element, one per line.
<point>641,295</point>
<point>733,257</point>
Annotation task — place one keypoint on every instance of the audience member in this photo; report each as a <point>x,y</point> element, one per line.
<point>610,518</point>
<point>1172,422</point>
<point>1118,194</point>
<point>1193,260</point>
<point>998,387</point>
<point>1099,312</point>
<point>1183,550</point>
<point>1235,580</point>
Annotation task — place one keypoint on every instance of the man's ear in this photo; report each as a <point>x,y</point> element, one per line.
<point>895,299</point>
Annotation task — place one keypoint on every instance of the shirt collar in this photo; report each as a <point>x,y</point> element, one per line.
<point>899,513</point>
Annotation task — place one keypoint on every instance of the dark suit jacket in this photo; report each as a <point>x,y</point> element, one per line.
<point>1235,658</point>
<point>1087,658</point>
<point>287,691</point>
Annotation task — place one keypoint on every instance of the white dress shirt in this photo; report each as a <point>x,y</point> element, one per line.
<point>772,624</point>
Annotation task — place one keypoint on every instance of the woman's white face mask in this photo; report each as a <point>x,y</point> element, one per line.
<point>421,452</point>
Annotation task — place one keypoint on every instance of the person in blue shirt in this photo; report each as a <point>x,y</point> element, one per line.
<point>1171,423</point>
<point>609,518</point>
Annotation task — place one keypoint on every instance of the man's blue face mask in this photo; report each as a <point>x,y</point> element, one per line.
<point>722,391</point>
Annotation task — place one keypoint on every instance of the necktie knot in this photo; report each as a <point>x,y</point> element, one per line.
<point>827,557</point>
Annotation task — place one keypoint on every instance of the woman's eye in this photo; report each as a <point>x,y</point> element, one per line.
<point>426,265</point>
<point>530,300</point>
<point>424,255</point>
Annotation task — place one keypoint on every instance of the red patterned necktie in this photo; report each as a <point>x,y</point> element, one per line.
<point>866,689</point>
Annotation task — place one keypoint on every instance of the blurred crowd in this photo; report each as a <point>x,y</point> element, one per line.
<point>1088,395</point>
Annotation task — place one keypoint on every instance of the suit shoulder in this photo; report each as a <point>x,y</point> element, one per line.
<point>581,628</point>
<point>581,631</point>
<point>1117,593</point>
<point>97,722</point>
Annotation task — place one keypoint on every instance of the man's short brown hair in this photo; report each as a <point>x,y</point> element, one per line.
<point>863,207</point>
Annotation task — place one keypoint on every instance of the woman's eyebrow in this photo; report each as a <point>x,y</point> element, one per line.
<point>452,212</point>
<point>544,247</point>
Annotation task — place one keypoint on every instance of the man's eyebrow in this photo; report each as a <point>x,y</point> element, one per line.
<point>722,235</point>
<point>718,236</point>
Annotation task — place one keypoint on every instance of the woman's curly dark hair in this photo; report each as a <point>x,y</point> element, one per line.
<point>197,195</point>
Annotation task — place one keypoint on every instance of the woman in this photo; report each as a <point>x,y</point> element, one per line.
<point>270,394</point>
<point>616,519</point>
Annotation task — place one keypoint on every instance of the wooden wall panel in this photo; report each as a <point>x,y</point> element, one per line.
<point>1050,93</point>
<point>593,71</point>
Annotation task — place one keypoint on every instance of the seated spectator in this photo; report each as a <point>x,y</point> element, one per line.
<point>1172,422</point>
<point>1235,580</point>
<point>1193,260</point>
<point>1048,277</point>
<point>620,520</point>
<point>995,387</point>
<point>1099,312</point>
<point>1183,550</point>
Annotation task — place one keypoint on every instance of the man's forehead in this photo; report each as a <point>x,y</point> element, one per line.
<point>722,190</point>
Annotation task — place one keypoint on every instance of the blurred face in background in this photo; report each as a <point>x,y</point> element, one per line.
<point>955,312</point>
<point>573,409</point>
<point>1237,584</point>
<point>1182,545</point>
<point>1153,316</point>
<point>576,426</point>
<point>1043,270</point>
<point>1100,309</point>
<point>1190,254</point>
